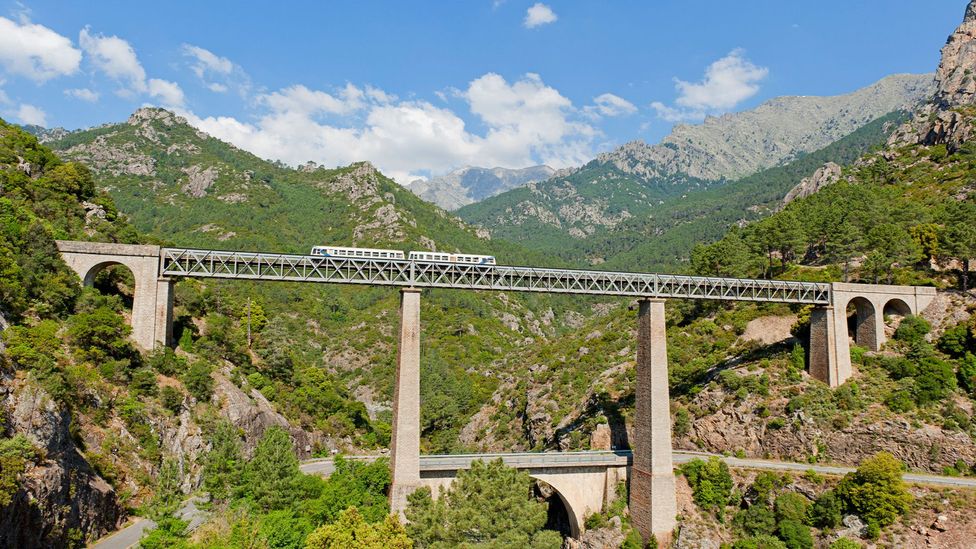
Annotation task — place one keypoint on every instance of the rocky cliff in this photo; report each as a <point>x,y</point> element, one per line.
<point>468,185</point>
<point>61,499</point>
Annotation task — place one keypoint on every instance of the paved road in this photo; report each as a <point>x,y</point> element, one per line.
<point>130,535</point>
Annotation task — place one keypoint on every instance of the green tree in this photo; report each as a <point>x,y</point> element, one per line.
<point>223,463</point>
<point>351,531</point>
<point>792,506</point>
<point>893,246</point>
<point>100,335</point>
<point>794,534</point>
<point>875,491</point>
<point>711,483</point>
<point>353,484</point>
<point>959,237</point>
<point>271,478</point>
<point>912,329</point>
<point>199,381</point>
<point>827,510</point>
<point>488,505</point>
<point>845,543</point>
<point>168,495</point>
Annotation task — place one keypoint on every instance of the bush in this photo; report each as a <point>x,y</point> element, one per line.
<point>957,341</point>
<point>759,542</point>
<point>845,543</point>
<point>795,534</point>
<point>792,506</point>
<point>199,381</point>
<point>934,381</point>
<point>682,421</point>
<point>166,362</point>
<point>171,399</point>
<point>711,483</point>
<point>875,491</point>
<point>967,373</point>
<point>757,519</point>
<point>827,511</point>
<point>351,531</point>
<point>912,329</point>
<point>100,335</point>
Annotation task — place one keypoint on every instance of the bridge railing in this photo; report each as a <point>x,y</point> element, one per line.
<point>406,273</point>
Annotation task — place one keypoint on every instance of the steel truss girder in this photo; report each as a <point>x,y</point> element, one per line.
<point>180,262</point>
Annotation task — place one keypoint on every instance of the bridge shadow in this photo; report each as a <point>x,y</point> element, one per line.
<point>704,377</point>
<point>612,408</point>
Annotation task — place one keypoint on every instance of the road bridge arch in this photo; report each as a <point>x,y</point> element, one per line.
<point>152,301</point>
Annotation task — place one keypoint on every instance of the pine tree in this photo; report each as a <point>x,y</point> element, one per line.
<point>271,477</point>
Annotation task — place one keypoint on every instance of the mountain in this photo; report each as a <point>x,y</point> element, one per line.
<point>468,185</point>
<point>738,144</point>
<point>627,186</point>
<point>654,228</point>
<point>45,135</point>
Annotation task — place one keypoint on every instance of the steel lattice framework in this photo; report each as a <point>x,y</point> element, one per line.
<point>406,273</point>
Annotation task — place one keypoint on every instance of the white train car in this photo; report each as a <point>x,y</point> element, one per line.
<point>357,253</point>
<point>443,257</point>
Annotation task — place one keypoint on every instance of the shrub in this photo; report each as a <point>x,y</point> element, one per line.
<point>711,483</point>
<point>792,506</point>
<point>957,341</point>
<point>682,421</point>
<point>198,381</point>
<point>845,543</point>
<point>759,542</point>
<point>795,534</point>
<point>827,511</point>
<point>875,491</point>
<point>166,362</point>
<point>935,380</point>
<point>757,519</point>
<point>143,382</point>
<point>351,531</point>
<point>171,398</point>
<point>912,329</point>
<point>967,373</point>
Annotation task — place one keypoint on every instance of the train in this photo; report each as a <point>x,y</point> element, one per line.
<point>376,253</point>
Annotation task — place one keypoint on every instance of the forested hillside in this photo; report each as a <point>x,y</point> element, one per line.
<point>602,215</point>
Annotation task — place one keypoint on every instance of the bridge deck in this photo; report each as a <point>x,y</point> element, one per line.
<point>406,273</point>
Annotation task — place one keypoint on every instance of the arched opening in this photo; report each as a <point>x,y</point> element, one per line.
<point>113,279</point>
<point>862,323</point>
<point>560,517</point>
<point>894,311</point>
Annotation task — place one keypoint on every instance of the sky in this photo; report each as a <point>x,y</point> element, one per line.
<point>420,88</point>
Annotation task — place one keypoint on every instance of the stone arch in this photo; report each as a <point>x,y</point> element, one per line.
<point>560,515</point>
<point>152,300</point>
<point>575,516</point>
<point>897,306</point>
<point>866,322</point>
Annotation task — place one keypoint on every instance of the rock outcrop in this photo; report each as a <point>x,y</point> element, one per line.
<point>945,120</point>
<point>955,81</point>
<point>825,175</point>
<point>61,496</point>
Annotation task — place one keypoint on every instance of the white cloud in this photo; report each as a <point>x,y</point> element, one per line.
<point>116,58</point>
<point>726,83</point>
<point>608,104</point>
<point>526,123</point>
<point>539,14</point>
<point>206,61</point>
<point>218,74</point>
<point>169,93</point>
<point>29,114</point>
<point>35,51</point>
<point>84,94</point>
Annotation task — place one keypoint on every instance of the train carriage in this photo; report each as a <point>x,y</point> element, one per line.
<point>357,253</point>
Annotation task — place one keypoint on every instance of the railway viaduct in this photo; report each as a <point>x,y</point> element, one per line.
<point>651,475</point>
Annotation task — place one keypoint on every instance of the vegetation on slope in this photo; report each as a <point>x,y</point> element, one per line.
<point>664,219</point>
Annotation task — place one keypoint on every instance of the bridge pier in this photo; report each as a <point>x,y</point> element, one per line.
<point>405,443</point>
<point>653,506</point>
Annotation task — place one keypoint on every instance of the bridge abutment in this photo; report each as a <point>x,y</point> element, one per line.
<point>653,506</point>
<point>405,443</point>
<point>152,300</point>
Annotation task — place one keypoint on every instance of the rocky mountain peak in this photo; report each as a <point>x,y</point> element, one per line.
<point>149,114</point>
<point>956,83</point>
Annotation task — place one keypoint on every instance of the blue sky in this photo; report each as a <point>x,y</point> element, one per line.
<point>420,88</point>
